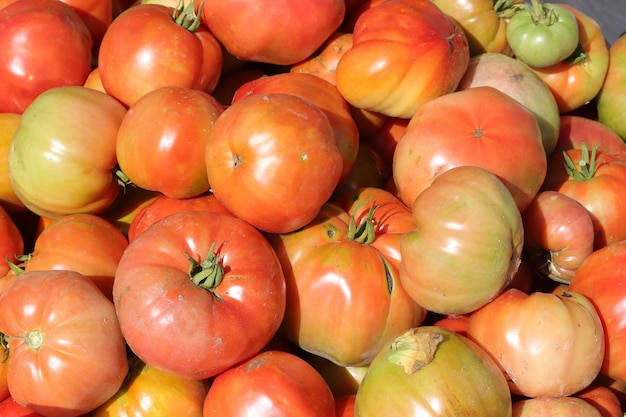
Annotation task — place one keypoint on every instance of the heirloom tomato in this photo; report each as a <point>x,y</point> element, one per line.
<point>598,182</point>
<point>9,122</point>
<point>542,34</point>
<point>554,406</point>
<point>31,60</point>
<point>574,131</point>
<point>535,338</point>
<point>150,46</point>
<point>62,156</point>
<point>95,254</point>
<point>404,54</point>
<point>273,160</point>
<point>611,100</point>
<point>161,141</point>
<point>578,79</point>
<point>558,235</point>
<point>324,62</point>
<point>162,206</point>
<point>334,268</point>
<point>483,21</point>
<point>149,392</point>
<point>455,130</point>
<point>322,94</point>
<point>11,241</point>
<point>602,279</point>
<point>510,76</point>
<point>207,288</point>
<point>467,242</point>
<point>431,371</point>
<point>66,351</point>
<point>290,30</point>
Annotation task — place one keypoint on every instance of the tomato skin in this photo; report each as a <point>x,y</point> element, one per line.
<point>431,144</point>
<point>467,242</point>
<point>574,131</point>
<point>404,54</point>
<point>611,99</point>
<point>603,399</point>
<point>565,324</point>
<point>574,84</point>
<point>11,241</point>
<point>162,206</point>
<point>461,379</point>
<point>168,156</point>
<point>548,406</point>
<point>324,63</point>
<point>84,243</point>
<point>97,15</point>
<point>60,327</point>
<point>65,145</point>
<point>560,226</point>
<point>146,41</point>
<point>146,391</point>
<point>32,60</point>
<point>9,122</point>
<point>329,273</point>
<point>290,31</point>
<point>601,278</point>
<point>153,285</point>
<point>255,142</point>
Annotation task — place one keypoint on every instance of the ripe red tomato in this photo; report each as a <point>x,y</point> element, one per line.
<point>335,267</point>
<point>601,278</point>
<point>66,351</point>
<point>97,15</point>
<point>65,146</point>
<point>467,242</point>
<point>149,392</point>
<point>168,156</point>
<point>324,63</point>
<point>288,32</point>
<point>148,42</point>
<point>273,160</point>
<point>576,130</point>
<point>31,60</point>
<point>535,338</point>
<point>432,144</point>
<point>84,243</point>
<point>404,54</point>
<point>207,288</point>
<point>271,383</point>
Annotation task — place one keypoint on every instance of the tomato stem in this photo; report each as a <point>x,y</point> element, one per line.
<point>586,168</point>
<point>186,16</point>
<point>540,14</point>
<point>366,231</point>
<point>209,273</point>
<point>506,8</point>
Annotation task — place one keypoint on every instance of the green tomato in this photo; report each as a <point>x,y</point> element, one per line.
<point>612,97</point>
<point>542,35</point>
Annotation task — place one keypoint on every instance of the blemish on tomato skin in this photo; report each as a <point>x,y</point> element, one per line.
<point>304,157</point>
<point>255,364</point>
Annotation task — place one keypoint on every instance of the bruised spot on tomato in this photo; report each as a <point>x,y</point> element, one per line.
<point>255,364</point>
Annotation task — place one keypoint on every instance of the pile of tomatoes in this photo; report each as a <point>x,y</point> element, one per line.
<point>322,208</point>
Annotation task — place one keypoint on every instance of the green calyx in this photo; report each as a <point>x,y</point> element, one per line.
<point>365,232</point>
<point>207,274</point>
<point>186,16</point>
<point>586,168</point>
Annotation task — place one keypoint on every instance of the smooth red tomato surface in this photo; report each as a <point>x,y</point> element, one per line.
<point>161,141</point>
<point>404,54</point>
<point>67,353</point>
<point>272,383</point>
<point>273,160</point>
<point>31,60</point>
<point>432,144</point>
<point>97,15</point>
<point>207,288</point>
<point>290,30</point>
<point>535,338</point>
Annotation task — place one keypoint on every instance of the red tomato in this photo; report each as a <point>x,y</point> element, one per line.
<point>84,243</point>
<point>163,206</point>
<point>433,144</point>
<point>31,60</point>
<point>97,15</point>
<point>66,351</point>
<point>324,62</point>
<point>62,157</point>
<point>576,130</point>
<point>11,241</point>
<point>168,156</point>
<point>598,182</point>
<point>578,79</point>
<point>603,399</point>
<point>151,42</point>
<point>536,338</point>
<point>404,54</point>
<point>10,408</point>
<point>288,32</point>
<point>334,267</point>
<point>549,406</point>
<point>273,160</point>
<point>148,392</point>
<point>212,267</point>
<point>558,234</point>
<point>272,383</point>
<point>467,242</point>
<point>602,279</point>
<point>344,406</point>
<point>320,93</point>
